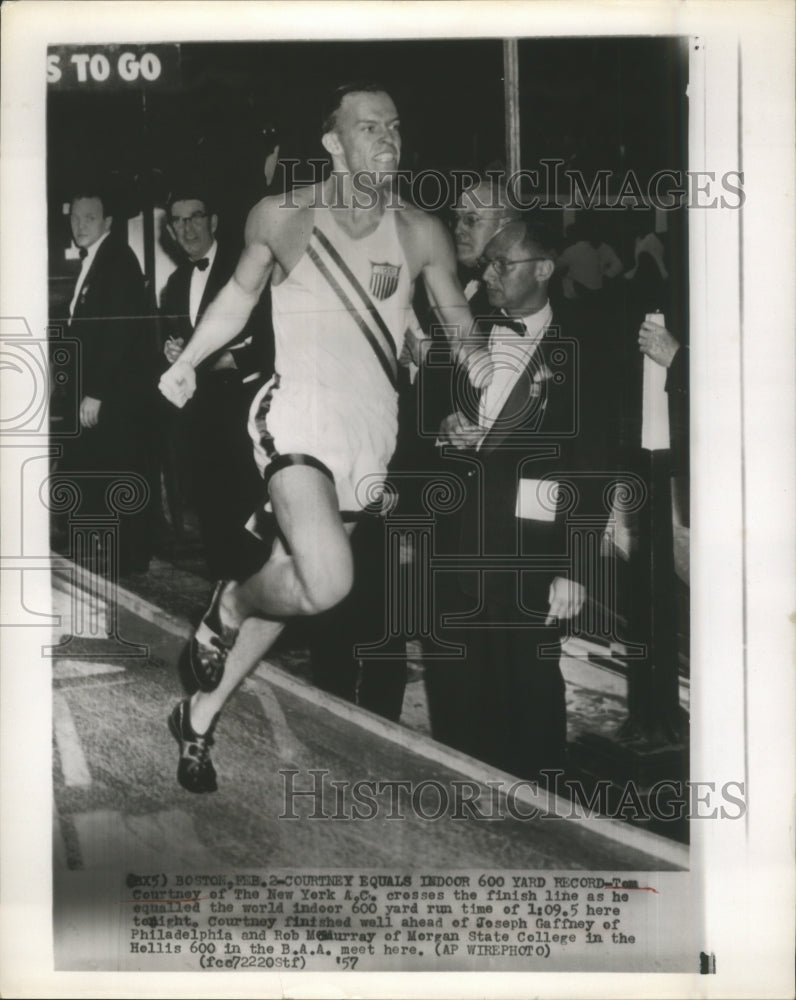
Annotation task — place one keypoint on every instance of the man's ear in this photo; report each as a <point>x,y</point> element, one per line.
<point>213,224</point>
<point>331,143</point>
<point>544,269</point>
<point>107,222</point>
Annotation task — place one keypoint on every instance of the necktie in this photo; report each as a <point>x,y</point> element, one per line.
<point>203,263</point>
<point>82,253</point>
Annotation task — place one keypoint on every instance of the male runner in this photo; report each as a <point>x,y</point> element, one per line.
<point>342,257</point>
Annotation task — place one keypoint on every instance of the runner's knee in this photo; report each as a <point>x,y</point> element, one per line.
<point>323,587</point>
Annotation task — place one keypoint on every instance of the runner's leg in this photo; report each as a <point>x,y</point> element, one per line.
<point>315,575</point>
<point>255,638</point>
<point>315,571</point>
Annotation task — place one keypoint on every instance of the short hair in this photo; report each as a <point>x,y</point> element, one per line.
<point>190,190</point>
<point>498,195</point>
<point>93,189</point>
<point>538,239</point>
<point>335,100</point>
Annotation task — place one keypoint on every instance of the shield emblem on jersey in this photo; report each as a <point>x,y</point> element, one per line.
<point>384,279</point>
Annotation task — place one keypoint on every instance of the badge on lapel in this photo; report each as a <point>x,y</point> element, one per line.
<point>541,374</point>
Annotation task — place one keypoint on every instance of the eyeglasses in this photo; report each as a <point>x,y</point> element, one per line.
<point>194,219</point>
<point>501,265</point>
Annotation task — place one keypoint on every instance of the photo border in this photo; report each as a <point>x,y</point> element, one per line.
<point>742,321</point>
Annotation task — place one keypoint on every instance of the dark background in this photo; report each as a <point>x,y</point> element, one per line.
<point>610,103</point>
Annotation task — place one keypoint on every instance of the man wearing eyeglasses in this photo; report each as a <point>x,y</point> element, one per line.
<point>519,451</point>
<point>479,214</point>
<point>210,437</point>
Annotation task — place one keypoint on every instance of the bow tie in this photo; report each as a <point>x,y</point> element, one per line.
<point>82,253</point>
<point>202,264</point>
<point>511,323</point>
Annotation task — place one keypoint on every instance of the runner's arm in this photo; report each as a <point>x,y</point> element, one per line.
<point>445,293</point>
<point>226,315</point>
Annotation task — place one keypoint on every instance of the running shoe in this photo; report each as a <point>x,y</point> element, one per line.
<point>195,771</point>
<point>208,649</point>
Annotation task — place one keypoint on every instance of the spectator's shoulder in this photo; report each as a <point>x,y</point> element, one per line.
<point>173,279</point>
<point>116,256</point>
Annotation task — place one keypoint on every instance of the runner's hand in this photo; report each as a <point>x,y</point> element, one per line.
<point>178,384</point>
<point>460,432</point>
<point>416,345</point>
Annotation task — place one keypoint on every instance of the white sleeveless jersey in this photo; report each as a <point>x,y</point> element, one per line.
<point>340,315</point>
<point>339,322</point>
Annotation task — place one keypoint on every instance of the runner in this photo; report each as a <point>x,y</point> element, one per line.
<point>342,257</point>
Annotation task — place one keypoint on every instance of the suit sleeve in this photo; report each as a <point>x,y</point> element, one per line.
<point>677,378</point>
<point>168,322</point>
<point>123,337</point>
<point>589,468</point>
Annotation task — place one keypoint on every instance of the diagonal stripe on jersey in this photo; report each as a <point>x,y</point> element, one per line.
<point>387,362</point>
<point>355,284</point>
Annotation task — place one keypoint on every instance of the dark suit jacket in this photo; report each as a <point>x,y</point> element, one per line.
<point>115,334</point>
<point>255,356</point>
<point>540,435</point>
<point>439,383</point>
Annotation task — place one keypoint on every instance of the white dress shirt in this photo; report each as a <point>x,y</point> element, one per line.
<point>88,260</point>
<point>511,353</point>
<point>199,281</point>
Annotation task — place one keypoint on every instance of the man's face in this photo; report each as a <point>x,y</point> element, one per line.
<point>514,282</point>
<point>476,222</point>
<point>88,221</point>
<point>367,133</point>
<point>192,227</point>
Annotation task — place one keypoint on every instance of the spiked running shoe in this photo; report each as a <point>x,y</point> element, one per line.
<point>195,771</point>
<point>208,649</point>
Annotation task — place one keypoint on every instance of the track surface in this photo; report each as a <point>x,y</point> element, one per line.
<point>117,802</point>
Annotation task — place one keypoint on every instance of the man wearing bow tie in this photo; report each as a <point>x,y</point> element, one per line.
<point>107,315</point>
<point>211,435</point>
<point>522,458</point>
<point>480,212</point>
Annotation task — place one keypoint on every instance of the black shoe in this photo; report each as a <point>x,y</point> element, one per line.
<point>212,641</point>
<point>195,771</point>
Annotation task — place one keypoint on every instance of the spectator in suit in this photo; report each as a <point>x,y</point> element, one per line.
<point>580,264</point>
<point>107,316</point>
<point>503,702</point>
<point>211,432</point>
<point>478,214</point>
